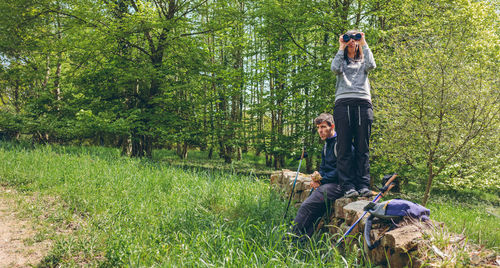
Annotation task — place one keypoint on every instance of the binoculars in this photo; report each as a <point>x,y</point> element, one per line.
<point>348,37</point>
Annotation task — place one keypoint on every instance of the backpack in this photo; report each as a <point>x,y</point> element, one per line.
<point>393,210</point>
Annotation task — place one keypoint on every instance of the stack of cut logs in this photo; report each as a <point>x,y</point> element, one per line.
<point>283,180</point>
<point>398,247</point>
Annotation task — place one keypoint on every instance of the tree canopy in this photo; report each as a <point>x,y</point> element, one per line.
<point>231,76</point>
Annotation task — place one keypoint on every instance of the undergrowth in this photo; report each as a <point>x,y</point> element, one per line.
<point>136,212</point>
<point>143,213</point>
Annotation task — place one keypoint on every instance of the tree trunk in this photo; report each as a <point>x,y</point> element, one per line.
<point>185,151</point>
<point>57,86</point>
<point>210,152</point>
<point>278,161</point>
<point>47,73</point>
<point>148,146</point>
<point>428,186</point>
<point>126,145</point>
<point>309,164</point>
<point>137,146</point>
<point>228,154</point>
<point>57,79</point>
<point>17,102</point>
<point>178,150</point>
<point>238,157</point>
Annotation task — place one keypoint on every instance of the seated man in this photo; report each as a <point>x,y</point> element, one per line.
<point>325,181</point>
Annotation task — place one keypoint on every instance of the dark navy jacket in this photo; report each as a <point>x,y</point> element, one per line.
<point>328,167</point>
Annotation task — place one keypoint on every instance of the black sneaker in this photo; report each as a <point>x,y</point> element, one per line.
<point>365,192</point>
<point>351,193</point>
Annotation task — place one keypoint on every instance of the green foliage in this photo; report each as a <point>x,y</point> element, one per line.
<point>439,86</point>
<point>230,77</point>
<point>10,124</point>
<point>479,222</point>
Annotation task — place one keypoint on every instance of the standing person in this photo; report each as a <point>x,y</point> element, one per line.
<point>325,181</point>
<point>353,112</point>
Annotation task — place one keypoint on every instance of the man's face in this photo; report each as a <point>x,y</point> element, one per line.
<point>325,131</point>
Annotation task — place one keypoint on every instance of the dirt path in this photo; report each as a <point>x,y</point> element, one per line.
<point>18,245</point>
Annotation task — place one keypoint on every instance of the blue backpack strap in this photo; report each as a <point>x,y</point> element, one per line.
<point>368,228</point>
<point>379,210</point>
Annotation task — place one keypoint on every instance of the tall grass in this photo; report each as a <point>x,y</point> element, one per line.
<point>475,215</point>
<point>481,224</point>
<point>134,212</point>
<point>249,164</point>
<point>142,213</point>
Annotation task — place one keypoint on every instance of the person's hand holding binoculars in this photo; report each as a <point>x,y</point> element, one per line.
<point>346,38</point>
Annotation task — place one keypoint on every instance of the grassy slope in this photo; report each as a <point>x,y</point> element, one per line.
<point>478,223</point>
<point>143,213</point>
<point>147,213</point>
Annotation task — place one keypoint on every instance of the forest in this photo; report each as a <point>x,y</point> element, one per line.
<point>235,77</point>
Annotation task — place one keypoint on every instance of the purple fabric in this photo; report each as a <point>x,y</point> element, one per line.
<point>400,207</point>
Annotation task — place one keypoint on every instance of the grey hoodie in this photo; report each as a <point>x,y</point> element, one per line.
<point>352,79</point>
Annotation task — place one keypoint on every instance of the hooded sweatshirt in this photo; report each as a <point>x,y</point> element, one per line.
<point>352,78</point>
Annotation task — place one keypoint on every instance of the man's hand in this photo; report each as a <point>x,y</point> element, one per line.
<point>315,185</point>
<point>316,176</point>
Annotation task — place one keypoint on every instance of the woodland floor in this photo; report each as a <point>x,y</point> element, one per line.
<point>18,244</point>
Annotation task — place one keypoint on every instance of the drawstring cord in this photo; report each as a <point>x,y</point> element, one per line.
<point>359,115</point>
<point>348,115</point>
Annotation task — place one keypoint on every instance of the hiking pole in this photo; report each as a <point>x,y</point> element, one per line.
<point>293,187</point>
<point>387,187</point>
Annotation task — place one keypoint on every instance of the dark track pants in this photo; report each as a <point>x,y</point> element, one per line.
<point>353,123</point>
<point>314,207</point>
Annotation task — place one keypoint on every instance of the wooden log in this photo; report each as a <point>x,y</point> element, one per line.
<point>342,202</point>
<point>339,206</point>
<point>297,196</point>
<point>288,175</point>
<point>279,177</point>
<point>288,185</point>
<point>405,238</point>
<point>305,181</point>
<point>307,185</point>
<point>275,178</point>
<point>378,254</point>
<point>354,210</point>
<point>304,195</point>
<point>299,186</point>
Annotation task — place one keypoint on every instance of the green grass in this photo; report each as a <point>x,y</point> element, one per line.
<point>476,215</point>
<point>133,212</point>
<point>250,164</point>
<point>142,213</point>
<point>481,224</point>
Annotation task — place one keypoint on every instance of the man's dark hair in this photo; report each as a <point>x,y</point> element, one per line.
<point>324,117</point>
